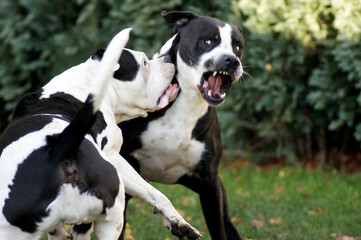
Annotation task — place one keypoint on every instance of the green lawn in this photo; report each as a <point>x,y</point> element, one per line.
<point>281,203</point>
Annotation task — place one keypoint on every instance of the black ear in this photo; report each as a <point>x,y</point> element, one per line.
<point>98,55</point>
<point>179,18</point>
<point>239,27</point>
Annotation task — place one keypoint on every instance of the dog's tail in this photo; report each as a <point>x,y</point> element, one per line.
<point>67,142</point>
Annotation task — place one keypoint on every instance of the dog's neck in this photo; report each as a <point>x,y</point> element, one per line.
<point>121,109</point>
<point>116,98</point>
<point>189,101</point>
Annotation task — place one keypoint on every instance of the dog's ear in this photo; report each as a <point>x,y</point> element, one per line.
<point>98,55</point>
<point>239,27</point>
<point>179,18</point>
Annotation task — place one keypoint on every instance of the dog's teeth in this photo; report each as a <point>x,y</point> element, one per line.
<point>214,73</point>
<point>210,93</point>
<point>223,95</point>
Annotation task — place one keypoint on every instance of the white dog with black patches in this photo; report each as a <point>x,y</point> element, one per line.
<point>60,161</point>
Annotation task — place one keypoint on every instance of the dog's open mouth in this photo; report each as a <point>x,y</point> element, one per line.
<point>214,86</point>
<point>169,94</point>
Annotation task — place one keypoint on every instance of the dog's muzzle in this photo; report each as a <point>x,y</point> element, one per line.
<point>216,83</point>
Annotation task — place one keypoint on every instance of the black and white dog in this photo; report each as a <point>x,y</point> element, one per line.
<point>60,159</point>
<point>182,143</point>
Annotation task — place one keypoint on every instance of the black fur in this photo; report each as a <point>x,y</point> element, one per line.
<point>128,69</point>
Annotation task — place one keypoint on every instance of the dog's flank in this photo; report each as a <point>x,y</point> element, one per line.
<point>66,144</point>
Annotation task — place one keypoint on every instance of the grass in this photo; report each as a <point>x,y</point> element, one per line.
<point>278,203</point>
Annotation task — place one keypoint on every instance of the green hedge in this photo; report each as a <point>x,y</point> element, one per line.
<point>40,39</point>
<point>301,96</point>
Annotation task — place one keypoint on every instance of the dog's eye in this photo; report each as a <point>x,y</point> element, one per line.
<point>208,41</point>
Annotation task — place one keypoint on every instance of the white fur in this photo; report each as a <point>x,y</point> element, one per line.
<point>168,151</point>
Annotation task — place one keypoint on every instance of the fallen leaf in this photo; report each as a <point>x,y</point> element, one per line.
<point>181,213</point>
<point>281,173</point>
<point>279,189</point>
<point>345,237</point>
<point>305,223</point>
<point>302,192</point>
<point>334,235</point>
<point>189,200</point>
<point>281,235</point>
<point>238,179</point>
<point>274,221</point>
<point>257,224</point>
<point>235,220</point>
<point>320,210</point>
<point>312,212</point>
<point>356,196</point>
<point>128,232</point>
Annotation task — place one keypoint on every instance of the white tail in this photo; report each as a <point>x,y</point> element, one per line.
<point>108,63</point>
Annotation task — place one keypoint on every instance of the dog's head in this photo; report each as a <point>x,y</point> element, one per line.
<point>207,52</point>
<point>140,85</point>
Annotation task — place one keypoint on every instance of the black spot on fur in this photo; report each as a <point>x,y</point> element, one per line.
<point>129,66</point>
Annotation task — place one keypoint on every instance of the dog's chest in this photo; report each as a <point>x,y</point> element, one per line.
<point>168,149</point>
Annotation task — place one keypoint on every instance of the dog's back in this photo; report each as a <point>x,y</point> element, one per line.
<point>42,151</point>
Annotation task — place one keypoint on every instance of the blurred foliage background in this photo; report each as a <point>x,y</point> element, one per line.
<point>299,101</point>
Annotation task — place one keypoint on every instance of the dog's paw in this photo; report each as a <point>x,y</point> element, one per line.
<point>185,231</point>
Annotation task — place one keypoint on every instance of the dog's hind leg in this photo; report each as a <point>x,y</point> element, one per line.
<point>109,226</point>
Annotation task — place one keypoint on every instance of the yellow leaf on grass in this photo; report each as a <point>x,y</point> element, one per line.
<point>128,232</point>
<point>334,235</point>
<point>275,221</point>
<point>181,213</point>
<point>282,173</point>
<point>312,212</point>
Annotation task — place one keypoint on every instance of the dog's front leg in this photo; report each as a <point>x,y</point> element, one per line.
<point>214,205</point>
<point>136,186</point>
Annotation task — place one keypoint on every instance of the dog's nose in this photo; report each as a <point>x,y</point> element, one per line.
<point>167,59</point>
<point>231,62</point>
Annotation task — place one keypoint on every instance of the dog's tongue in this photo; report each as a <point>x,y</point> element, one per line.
<point>168,95</point>
<point>215,84</point>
